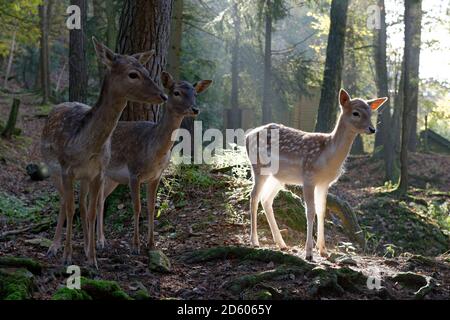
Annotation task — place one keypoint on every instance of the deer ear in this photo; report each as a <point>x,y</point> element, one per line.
<point>375,104</point>
<point>144,57</point>
<point>104,54</point>
<point>344,97</point>
<point>167,80</point>
<point>202,85</point>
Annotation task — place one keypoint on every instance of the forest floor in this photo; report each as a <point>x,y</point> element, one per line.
<point>407,240</point>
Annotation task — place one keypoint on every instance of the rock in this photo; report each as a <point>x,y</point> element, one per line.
<point>40,242</point>
<point>16,284</point>
<point>410,280</point>
<point>93,290</point>
<point>37,172</point>
<point>140,291</point>
<point>16,262</point>
<point>159,262</point>
<point>346,261</point>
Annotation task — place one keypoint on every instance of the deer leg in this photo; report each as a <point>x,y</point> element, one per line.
<point>308,192</point>
<point>320,198</point>
<point>135,188</point>
<point>95,189</point>
<point>84,190</point>
<point>56,244</point>
<point>259,181</point>
<point>267,201</point>
<point>152,188</point>
<point>108,187</point>
<point>69,207</point>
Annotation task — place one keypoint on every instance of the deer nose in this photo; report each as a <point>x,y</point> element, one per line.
<point>372,130</point>
<point>195,110</point>
<point>163,97</point>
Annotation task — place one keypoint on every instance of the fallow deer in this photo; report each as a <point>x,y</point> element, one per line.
<point>140,152</point>
<point>76,140</point>
<point>313,160</point>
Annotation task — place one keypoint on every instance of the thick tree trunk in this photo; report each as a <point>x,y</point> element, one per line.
<point>413,23</point>
<point>78,78</point>
<point>145,25</point>
<point>176,37</point>
<point>234,120</point>
<point>383,136</point>
<point>333,67</point>
<point>267,90</point>
<point>10,60</point>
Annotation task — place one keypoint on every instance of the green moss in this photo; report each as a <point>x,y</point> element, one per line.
<point>16,284</point>
<point>159,262</point>
<point>103,289</point>
<point>71,294</point>
<point>289,210</point>
<point>244,253</point>
<point>92,290</point>
<point>16,262</point>
<point>141,294</point>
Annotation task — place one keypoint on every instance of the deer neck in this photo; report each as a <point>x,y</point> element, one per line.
<point>169,122</point>
<point>342,139</point>
<point>103,117</point>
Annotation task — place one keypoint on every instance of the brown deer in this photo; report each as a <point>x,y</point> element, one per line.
<point>140,152</point>
<point>313,160</point>
<point>76,140</point>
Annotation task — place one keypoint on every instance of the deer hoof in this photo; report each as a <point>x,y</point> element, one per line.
<point>309,258</point>
<point>92,262</point>
<point>101,244</point>
<point>53,250</point>
<point>67,259</point>
<point>323,253</point>
<point>135,250</point>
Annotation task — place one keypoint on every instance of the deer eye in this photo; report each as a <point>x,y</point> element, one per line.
<point>356,114</point>
<point>176,93</point>
<point>133,75</point>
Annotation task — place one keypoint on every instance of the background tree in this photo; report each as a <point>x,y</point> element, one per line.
<point>383,136</point>
<point>413,25</point>
<point>78,76</point>
<point>45,13</point>
<point>333,66</point>
<point>145,25</point>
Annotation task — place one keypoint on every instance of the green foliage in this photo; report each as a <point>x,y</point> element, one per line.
<point>13,207</point>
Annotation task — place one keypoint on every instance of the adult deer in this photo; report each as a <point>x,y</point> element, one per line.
<point>76,140</point>
<point>140,152</point>
<point>313,160</point>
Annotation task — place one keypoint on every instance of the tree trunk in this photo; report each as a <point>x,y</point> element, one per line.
<point>111,25</point>
<point>98,13</point>
<point>11,124</point>
<point>333,67</point>
<point>234,116</point>
<point>413,17</point>
<point>383,137</point>
<point>10,60</point>
<point>78,78</point>
<point>176,36</point>
<point>145,25</point>
<point>267,91</point>
<point>44,13</point>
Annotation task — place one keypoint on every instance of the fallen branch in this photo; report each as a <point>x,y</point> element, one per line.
<point>35,228</point>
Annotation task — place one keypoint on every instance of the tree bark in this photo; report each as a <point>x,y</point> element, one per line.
<point>333,67</point>
<point>98,13</point>
<point>45,17</point>
<point>11,124</point>
<point>382,137</point>
<point>10,60</point>
<point>145,25</point>
<point>111,25</point>
<point>267,90</point>
<point>234,120</point>
<point>413,23</point>
<point>78,77</point>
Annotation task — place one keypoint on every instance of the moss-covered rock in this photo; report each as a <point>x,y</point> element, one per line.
<point>93,290</point>
<point>16,262</point>
<point>410,280</point>
<point>16,284</point>
<point>245,253</point>
<point>71,294</point>
<point>159,262</point>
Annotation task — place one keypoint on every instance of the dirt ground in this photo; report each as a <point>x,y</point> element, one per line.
<point>204,220</point>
